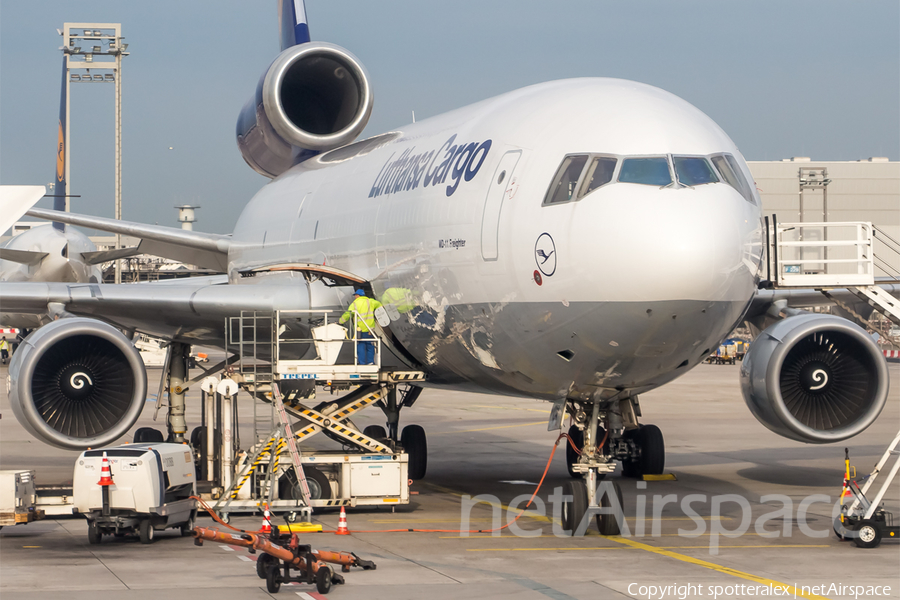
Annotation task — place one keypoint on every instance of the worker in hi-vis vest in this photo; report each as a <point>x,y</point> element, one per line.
<point>365,322</point>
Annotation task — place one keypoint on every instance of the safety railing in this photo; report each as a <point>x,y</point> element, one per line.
<point>312,344</point>
<point>837,254</point>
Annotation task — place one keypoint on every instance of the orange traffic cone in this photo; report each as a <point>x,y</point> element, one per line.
<point>342,524</point>
<point>105,474</point>
<point>846,493</point>
<point>267,522</point>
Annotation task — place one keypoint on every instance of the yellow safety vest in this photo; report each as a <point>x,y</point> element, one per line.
<point>365,307</point>
<point>399,297</point>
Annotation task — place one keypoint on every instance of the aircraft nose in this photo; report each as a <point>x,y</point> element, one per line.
<point>684,243</point>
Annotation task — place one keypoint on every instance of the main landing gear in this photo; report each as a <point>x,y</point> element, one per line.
<point>412,438</point>
<point>592,454</point>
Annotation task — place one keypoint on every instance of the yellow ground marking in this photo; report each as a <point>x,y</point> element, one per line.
<point>430,521</point>
<point>512,408</point>
<point>31,546</point>
<point>730,571</point>
<point>718,568</point>
<point>491,428</point>
<point>663,477</point>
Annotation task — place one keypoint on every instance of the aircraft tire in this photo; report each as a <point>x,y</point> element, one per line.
<point>607,524</point>
<point>577,436</point>
<point>375,431</point>
<point>653,450</point>
<point>148,435</point>
<point>573,510</point>
<point>631,467</point>
<point>416,446</point>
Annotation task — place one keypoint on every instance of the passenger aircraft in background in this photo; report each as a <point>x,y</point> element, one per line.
<point>580,241</point>
<point>47,252</point>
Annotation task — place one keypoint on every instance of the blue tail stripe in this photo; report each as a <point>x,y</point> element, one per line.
<point>293,25</point>
<point>301,33</point>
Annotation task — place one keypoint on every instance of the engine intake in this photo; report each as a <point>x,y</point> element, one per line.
<point>314,97</point>
<point>815,378</point>
<point>77,383</point>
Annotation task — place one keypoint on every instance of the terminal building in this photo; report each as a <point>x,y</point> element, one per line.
<point>800,189</point>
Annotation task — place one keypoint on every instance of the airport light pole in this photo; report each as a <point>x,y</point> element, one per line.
<point>106,42</point>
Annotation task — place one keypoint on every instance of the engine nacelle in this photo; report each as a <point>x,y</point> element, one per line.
<point>815,378</point>
<point>77,383</point>
<point>314,97</point>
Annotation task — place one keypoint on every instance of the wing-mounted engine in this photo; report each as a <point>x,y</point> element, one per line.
<point>77,383</point>
<point>815,378</point>
<point>315,97</point>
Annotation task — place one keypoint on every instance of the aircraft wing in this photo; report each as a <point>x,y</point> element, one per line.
<point>759,314</point>
<point>208,250</point>
<point>15,200</point>
<point>25,257</point>
<point>187,310</point>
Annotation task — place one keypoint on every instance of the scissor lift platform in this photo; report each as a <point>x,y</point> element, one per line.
<point>284,357</point>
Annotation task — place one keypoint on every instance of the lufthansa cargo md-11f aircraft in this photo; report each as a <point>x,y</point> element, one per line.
<point>579,241</point>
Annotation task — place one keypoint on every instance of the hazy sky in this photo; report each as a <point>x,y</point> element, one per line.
<point>782,78</point>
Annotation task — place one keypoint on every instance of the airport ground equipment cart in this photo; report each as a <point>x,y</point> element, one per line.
<point>150,490</point>
<point>18,498</point>
<point>863,520</point>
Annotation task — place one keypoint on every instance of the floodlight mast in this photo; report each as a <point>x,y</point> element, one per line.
<point>110,35</point>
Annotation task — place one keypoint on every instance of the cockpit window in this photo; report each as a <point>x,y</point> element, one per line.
<point>693,170</point>
<point>566,181</point>
<point>731,172</point>
<point>648,171</point>
<point>599,173</point>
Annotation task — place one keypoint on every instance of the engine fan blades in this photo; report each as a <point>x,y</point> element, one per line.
<point>825,380</point>
<point>82,386</point>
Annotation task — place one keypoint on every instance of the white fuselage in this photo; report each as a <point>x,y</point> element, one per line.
<point>623,289</point>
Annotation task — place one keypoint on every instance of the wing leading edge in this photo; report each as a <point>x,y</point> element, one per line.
<point>191,310</point>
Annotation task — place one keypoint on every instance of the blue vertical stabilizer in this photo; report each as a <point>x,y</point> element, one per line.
<point>292,17</point>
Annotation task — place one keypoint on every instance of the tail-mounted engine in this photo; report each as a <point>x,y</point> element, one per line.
<point>77,383</point>
<point>315,97</point>
<point>815,378</point>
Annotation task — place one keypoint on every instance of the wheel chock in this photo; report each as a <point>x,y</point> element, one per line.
<point>663,477</point>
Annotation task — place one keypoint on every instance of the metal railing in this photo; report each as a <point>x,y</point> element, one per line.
<point>821,254</point>
<point>325,340</point>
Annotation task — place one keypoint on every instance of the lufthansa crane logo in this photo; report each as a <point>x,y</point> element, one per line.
<point>545,254</point>
<point>61,154</point>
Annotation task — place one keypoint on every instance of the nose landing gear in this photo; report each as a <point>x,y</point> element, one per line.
<point>592,455</point>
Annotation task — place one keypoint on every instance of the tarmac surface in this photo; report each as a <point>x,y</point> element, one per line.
<point>499,446</point>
